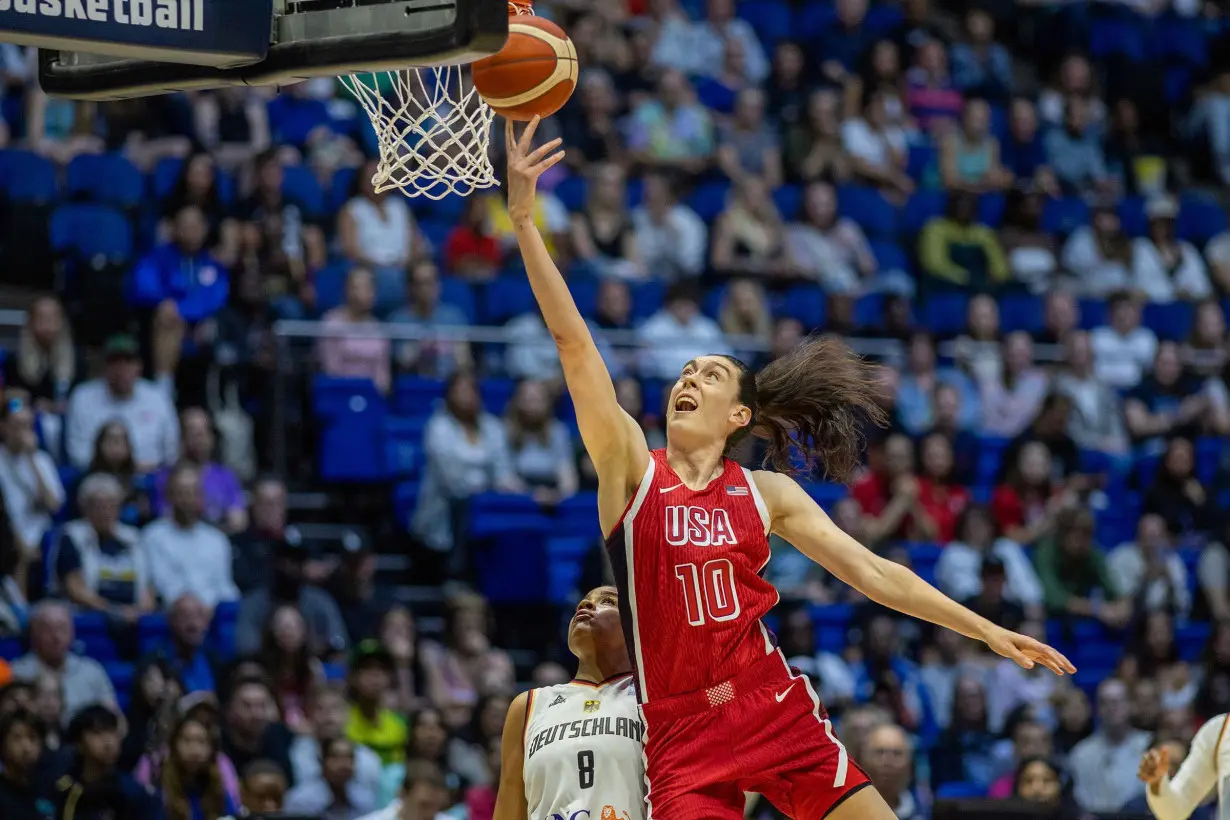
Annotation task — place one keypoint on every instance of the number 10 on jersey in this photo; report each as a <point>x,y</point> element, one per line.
<point>709,591</point>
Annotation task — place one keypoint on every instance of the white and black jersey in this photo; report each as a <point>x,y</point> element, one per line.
<point>584,752</point>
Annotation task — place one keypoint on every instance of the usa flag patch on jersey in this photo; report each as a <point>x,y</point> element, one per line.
<point>733,490</point>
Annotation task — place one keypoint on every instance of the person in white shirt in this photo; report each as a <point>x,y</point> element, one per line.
<point>424,795</point>
<point>1150,569</point>
<point>879,150</point>
<point>144,407</point>
<point>29,481</point>
<point>1164,267</point>
<point>1202,773</point>
<point>1101,764</point>
<point>1098,254</point>
<point>672,239</point>
<point>676,334</point>
<point>185,554</point>
<point>698,48</point>
<point>1122,351</point>
<point>329,714</point>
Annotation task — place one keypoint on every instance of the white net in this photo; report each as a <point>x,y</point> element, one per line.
<point>433,130</point>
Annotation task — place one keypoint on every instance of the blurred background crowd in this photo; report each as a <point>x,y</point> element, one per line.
<point>294,502</point>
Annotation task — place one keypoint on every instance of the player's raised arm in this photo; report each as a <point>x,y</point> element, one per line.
<point>612,438</point>
<point>510,798</point>
<point>797,518</point>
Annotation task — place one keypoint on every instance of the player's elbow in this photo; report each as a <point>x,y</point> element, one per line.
<point>881,580</point>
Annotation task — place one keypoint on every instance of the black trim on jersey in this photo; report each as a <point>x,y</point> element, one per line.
<point>846,797</point>
<point>611,679</point>
<point>616,550</point>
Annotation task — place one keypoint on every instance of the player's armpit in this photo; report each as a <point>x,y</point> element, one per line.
<point>510,799</point>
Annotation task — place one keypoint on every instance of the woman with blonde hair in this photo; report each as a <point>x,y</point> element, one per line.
<point>539,443</point>
<point>46,362</point>
<point>745,311</point>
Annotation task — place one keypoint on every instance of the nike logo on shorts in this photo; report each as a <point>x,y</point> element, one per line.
<point>782,695</point>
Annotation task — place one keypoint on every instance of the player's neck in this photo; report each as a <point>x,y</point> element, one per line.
<point>696,466</point>
<point>606,664</point>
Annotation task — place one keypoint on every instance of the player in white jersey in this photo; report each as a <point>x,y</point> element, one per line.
<point>1204,772</point>
<point>576,751</point>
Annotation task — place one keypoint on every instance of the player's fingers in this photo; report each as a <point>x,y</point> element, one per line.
<point>527,136</point>
<point>543,150</point>
<point>548,163</point>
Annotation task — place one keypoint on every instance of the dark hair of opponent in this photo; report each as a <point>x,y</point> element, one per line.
<point>812,402</point>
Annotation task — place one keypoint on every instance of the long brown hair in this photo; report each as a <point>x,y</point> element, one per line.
<point>174,786</point>
<point>812,402</point>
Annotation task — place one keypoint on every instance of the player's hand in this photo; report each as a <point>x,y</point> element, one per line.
<point>1154,765</point>
<point>525,167</point>
<point>1025,651</point>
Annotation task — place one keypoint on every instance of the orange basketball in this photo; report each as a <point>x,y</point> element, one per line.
<point>534,74</point>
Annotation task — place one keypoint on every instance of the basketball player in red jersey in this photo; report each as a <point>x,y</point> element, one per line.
<point>687,532</point>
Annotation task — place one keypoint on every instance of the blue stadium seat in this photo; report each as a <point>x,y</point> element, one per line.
<point>404,445</point>
<point>340,187</point>
<point>990,458</point>
<point>922,207</point>
<point>30,179</point>
<point>436,232</point>
<point>1132,216</point>
<point>506,297</point>
<point>152,632</point>
<point>578,515</point>
<point>91,232</point>
<point>405,498</point>
<point>352,434</point>
<point>1200,218</point>
<point>1064,215</point>
<point>584,291</point>
<point>869,209</point>
<point>11,648</point>
<point>1021,313</point>
<point>496,394</point>
<point>635,190</point>
<point>1171,321</point>
<point>647,298</point>
<point>572,192</point>
<point>960,791</point>
<point>805,303</point>
<point>222,631</point>
<point>1117,37</point>
<point>108,178</point>
<point>330,282</point>
<point>826,494</point>
<point>813,19</point>
<point>1183,41</point>
<point>789,201</point>
<point>923,161</point>
<point>709,199</point>
<point>448,208</point>
<point>944,313</point>
<point>300,185</point>
<point>565,558</point>
<point>889,256</point>
<point>456,292</point>
<point>770,19</point>
<point>883,19</point>
<point>416,395</point>
<point>991,209</point>
<point>869,309</point>
<point>1093,313</point>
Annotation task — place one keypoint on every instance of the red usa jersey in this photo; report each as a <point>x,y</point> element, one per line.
<point>688,565</point>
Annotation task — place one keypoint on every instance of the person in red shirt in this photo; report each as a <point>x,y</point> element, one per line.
<point>890,498</point>
<point>1026,504</point>
<point>943,500</point>
<point>470,251</point>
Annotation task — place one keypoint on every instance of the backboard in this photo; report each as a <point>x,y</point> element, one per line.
<point>117,49</point>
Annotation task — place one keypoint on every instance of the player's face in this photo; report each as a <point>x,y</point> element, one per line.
<point>596,621</point>
<point>704,403</point>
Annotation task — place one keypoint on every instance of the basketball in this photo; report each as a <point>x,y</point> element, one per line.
<point>533,75</point>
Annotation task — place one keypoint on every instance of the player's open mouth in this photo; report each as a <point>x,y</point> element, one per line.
<point>685,404</point>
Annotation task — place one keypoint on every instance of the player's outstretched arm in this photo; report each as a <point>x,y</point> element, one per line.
<point>510,799</point>
<point>612,438</point>
<point>1197,776</point>
<point>799,519</point>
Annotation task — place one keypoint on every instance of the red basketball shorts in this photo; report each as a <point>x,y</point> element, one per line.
<point>763,731</point>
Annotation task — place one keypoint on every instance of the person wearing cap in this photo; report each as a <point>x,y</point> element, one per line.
<point>1164,267</point>
<point>145,409</point>
<point>371,724</point>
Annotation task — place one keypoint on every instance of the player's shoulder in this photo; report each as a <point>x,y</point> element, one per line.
<point>774,486</point>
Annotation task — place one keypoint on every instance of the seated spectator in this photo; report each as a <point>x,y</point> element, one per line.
<point>1171,402</point>
<point>263,788</point>
<point>377,231</point>
<point>676,334</point>
<point>879,69</point>
<point>97,563</point>
<point>1010,687</point>
<point>93,788</point>
<point>1099,255</point>
<point>744,311</point>
<point>969,155</point>
<point>1096,420</point>
<point>956,252</point>
<point>1074,79</point>
<point>232,123</point>
<point>814,148</point>
<point>1213,576</point>
<point>83,681</point>
<point>749,236</point>
<point>878,150</point>
<point>49,708</point>
<point>788,83</point>
<point>963,752</point>
<point>1074,152</point>
<point>672,128</point>
<point>145,409</point>
<point>1026,504</point>
<point>191,783</point>
<point>186,554</point>
<point>891,497</point>
<point>425,311</point>
<point>288,584</point>
<point>1205,351</point>
<point>328,720</point>
<point>197,186</point>
<point>1010,402</point>
<point>920,381</point>
<point>697,47</point>
<point>603,235</point>
<point>422,794</point>
<point>959,571</point>
<point>948,421</point>
<point>224,502</point>
<point>113,458</point>
<point>336,794</point>
<point>1039,781</point>
<point>530,352</point>
<point>1164,267</point>
<point>255,548</point>
<point>539,444</point>
<point>467,454</point>
<point>1135,157</point>
<point>1123,350</point>
<point>747,145</point>
<point>359,356</point>
<point>833,249</point>
<point>1177,494</point>
<point>294,670</point>
<point>885,677</point>
<point>1032,252</point>
<point>844,43</point>
<point>1061,316</point>
<point>671,238</point>
<point>933,101</point>
<point>250,730</point>
<point>465,666</point>
<point>590,125</point>
<point>372,724</point>
<point>938,493</point>
<point>470,251</point>
<point>1074,575</point>
<point>154,689</point>
<point>44,366</point>
<point>548,214</point>
<point>29,483</point>
<point>14,609</point>
<point>1154,655</point>
<point>1217,256</point>
<point>286,241</point>
<point>398,633</point>
<point>1149,570</point>
<point>23,791</point>
<point>981,67</point>
<point>1050,427</point>
<point>1101,764</point>
<point>1022,152</point>
<point>888,759</point>
<point>1030,740</point>
<point>978,350</point>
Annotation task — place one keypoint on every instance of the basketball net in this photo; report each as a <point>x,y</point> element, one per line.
<point>433,130</point>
